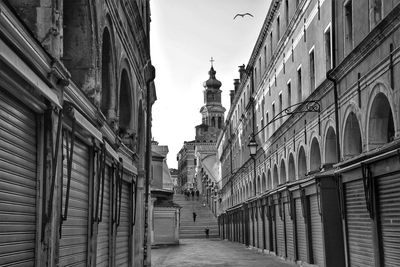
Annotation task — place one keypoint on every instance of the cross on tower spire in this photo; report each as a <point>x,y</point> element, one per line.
<point>212,60</point>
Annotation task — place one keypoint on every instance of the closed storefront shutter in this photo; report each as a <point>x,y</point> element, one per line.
<point>389,207</point>
<point>103,238</point>
<point>18,175</point>
<point>316,232</point>
<point>273,229</point>
<point>289,233</point>
<point>251,228</point>
<point>301,233</point>
<point>260,229</point>
<point>359,230</point>
<point>122,245</point>
<point>73,243</point>
<point>279,232</point>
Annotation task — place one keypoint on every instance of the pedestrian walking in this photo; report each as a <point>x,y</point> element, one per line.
<point>194,216</point>
<point>197,194</point>
<point>192,192</point>
<point>207,231</point>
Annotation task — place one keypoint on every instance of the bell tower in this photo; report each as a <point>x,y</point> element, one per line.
<point>212,111</point>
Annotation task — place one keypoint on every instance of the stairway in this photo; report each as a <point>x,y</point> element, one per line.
<point>204,219</point>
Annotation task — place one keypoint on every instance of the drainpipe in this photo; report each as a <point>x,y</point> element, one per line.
<point>333,79</point>
<point>149,73</point>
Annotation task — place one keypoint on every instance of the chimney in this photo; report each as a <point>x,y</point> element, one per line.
<point>236,83</point>
<point>232,95</point>
<point>242,71</point>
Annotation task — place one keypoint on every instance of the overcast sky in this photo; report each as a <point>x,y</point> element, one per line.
<point>185,34</point>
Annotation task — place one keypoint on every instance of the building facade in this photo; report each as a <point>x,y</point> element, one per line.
<point>320,96</point>
<point>75,96</point>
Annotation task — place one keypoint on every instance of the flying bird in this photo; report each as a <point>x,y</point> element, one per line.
<point>242,15</point>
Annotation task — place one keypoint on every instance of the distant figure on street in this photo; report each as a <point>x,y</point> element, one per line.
<point>207,231</point>
<point>192,192</point>
<point>197,194</point>
<point>186,194</point>
<point>194,216</point>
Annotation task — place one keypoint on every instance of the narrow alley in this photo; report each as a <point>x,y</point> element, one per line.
<point>212,252</point>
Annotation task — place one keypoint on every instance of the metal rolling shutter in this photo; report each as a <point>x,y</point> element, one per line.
<point>273,229</point>
<point>267,230</point>
<point>301,233</point>
<point>316,231</point>
<point>279,233</point>
<point>260,229</point>
<point>359,230</point>
<point>251,228</point>
<point>122,246</point>
<point>389,206</point>
<point>73,243</point>
<point>289,233</point>
<point>17,183</point>
<point>103,238</point>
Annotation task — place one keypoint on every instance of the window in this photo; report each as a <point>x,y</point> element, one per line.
<point>267,121</point>
<point>376,12</point>
<point>312,69</point>
<point>280,106</point>
<point>262,119</point>
<point>255,76</point>
<point>259,68</point>
<point>273,117</point>
<point>287,12</point>
<point>278,26</point>
<point>270,46</point>
<point>299,85</point>
<point>289,94</point>
<point>348,25</point>
<point>265,57</point>
<point>328,49</point>
<point>219,122</point>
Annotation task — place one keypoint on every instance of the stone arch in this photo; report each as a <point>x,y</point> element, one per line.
<point>269,180</point>
<point>315,155</point>
<point>292,168</point>
<point>352,140</point>
<point>125,109</point>
<point>302,163</point>
<point>275,178</point>
<point>380,122</point>
<point>282,173</point>
<point>108,94</point>
<point>330,146</point>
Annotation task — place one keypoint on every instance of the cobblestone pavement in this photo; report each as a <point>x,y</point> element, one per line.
<point>212,252</point>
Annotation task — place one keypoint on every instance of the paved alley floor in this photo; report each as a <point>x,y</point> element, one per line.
<point>212,252</point>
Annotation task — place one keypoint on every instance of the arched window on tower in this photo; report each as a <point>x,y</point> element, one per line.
<point>213,121</point>
<point>219,122</point>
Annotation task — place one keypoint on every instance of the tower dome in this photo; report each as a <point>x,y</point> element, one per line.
<point>212,82</point>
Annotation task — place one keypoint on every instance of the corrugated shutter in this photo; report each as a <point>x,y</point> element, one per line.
<point>73,244</point>
<point>251,228</point>
<point>273,229</point>
<point>289,233</point>
<point>260,229</point>
<point>103,238</point>
<point>122,246</point>
<point>389,207</point>
<point>279,232</point>
<point>301,232</point>
<point>18,175</point>
<point>316,231</point>
<point>359,230</point>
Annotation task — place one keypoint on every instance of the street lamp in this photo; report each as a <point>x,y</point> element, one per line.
<point>253,146</point>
